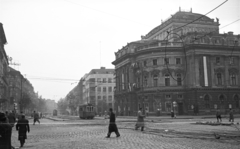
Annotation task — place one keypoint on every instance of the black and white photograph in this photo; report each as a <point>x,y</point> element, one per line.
<point>119,74</point>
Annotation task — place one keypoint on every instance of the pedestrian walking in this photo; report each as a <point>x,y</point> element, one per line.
<point>112,125</point>
<point>11,118</point>
<point>5,133</point>
<point>218,116</point>
<point>35,117</point>
<point>22,127</point>
<point>140,120</point>
<point>231,118</point>
<point>172,114</point>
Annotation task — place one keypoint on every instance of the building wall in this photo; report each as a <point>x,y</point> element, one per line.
<point>93,82</point>
<point>203,59</point>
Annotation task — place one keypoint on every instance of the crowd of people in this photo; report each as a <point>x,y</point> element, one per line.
<point>7,123</point>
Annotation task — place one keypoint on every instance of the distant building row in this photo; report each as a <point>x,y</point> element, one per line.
<point>14,88</point>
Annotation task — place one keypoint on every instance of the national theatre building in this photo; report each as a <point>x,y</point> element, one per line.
<point>184,65</point>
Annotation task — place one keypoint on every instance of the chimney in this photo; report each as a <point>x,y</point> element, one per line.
<point>102,68</point>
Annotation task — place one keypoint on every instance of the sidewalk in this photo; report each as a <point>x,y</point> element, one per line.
<point>149,118</point>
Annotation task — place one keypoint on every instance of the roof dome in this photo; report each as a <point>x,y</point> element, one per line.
<point>190,15</point>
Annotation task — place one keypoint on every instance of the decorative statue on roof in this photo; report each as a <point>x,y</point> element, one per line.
<point>217,20</point>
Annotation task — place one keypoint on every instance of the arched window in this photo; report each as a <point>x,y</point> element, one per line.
<point>155,80</point>
<point>236,99</point>
<point>167,80</point>
<point>219,79</point>
<point>207,101</point>
<point>233,79</point>
<point>179,80</point>
<point>145,80</point>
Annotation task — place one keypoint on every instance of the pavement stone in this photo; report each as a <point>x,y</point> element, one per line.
<point>69,135</point>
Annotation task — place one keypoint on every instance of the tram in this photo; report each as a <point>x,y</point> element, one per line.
<point>86,111</point>
<point>55,112</point>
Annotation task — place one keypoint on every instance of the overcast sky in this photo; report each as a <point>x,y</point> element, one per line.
<point>65,38</point>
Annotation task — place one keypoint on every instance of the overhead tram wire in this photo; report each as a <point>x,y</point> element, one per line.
<point>106,13</point>
<point>184,54</point>
<point>168,33</point>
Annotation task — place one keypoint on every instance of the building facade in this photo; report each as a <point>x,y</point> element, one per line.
<point>75,98</point>
<point>98,89</point>
<point>191,70</point>
<point>14,79</point>
<point>4,98</point>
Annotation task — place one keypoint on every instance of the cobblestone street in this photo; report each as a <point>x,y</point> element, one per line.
<point>77,134</point>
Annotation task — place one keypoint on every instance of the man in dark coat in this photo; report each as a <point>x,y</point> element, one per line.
<point>231,118</point>
<point>11,118</point>
<point>5,132</point>
<point>22,127</point>
<point>35,118</point>
<point>112,125</point>
<point>218,116</point>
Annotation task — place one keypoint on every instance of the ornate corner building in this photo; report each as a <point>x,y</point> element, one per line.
<point>190,69</point>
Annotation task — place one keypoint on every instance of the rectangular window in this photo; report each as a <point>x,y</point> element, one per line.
<point>144,63</point>
<point>217,60</point>
<point>232,60</point>
<point>179,96</point>
<point>110,98</point>
<point>109,80</point>
<point>167,96</point>
<point>99,97</point>
<point>166,61</point>
<point>154,62</point>
<point>104,80</point>
<point>178,61</point>
<point>99,89</point>
<point>104,89</point>
<point>104,99</point>
<point>138,82</point>
<point>110,89</point>
<point>92,80</point>
<point>99,80</point>
<point>92,89</point>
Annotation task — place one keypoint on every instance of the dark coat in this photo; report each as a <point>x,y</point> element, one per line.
<point>5,136</point>
<point>35,116</point>
<point>22,127</point>
<point>112,123</point>
<point>11,119</point>
<point>140,119</point>
<point>231,115</point>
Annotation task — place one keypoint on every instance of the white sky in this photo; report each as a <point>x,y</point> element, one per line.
<point>63,38</point>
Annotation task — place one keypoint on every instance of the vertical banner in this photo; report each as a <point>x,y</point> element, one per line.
<point>205,70</point>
